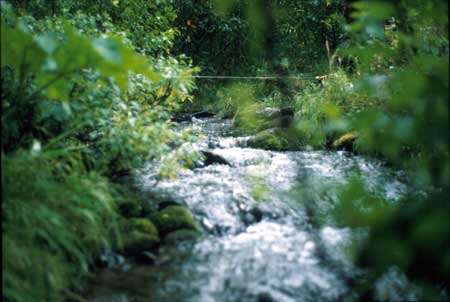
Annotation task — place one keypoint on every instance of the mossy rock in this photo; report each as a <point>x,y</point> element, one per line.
<point>181,235</point>
<point>346,141</point>
<point>174,218</point>
<point>143,225</point>
<point>136,242</point>
<point>275,139</point>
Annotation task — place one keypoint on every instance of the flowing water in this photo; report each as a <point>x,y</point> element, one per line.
<point>260,238</point>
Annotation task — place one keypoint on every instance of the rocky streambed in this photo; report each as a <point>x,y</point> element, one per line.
<point>259,240</point>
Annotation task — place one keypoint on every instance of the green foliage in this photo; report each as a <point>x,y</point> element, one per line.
<point>237,36</point>
<point>52,60</point>
<point>410,129</point>
<point>146,24</point>
<point>77,103</point>
<point>119,121</point>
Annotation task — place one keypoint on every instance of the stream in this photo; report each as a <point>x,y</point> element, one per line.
<point>260,239</point>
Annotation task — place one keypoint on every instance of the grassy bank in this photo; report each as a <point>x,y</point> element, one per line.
<point>83,104</point>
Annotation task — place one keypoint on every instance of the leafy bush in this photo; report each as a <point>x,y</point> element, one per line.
<point>411,131</point>
<point>78,104</point>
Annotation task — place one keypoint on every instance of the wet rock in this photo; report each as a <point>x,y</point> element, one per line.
<point>345,142</point>
<point>257,214</point>
<point>203,114</point>
<point>136,242</point>
<point>264,297</point>
<point>253,215</point>
<point>173,218</point>
<point>181,235</point>
<point>212,158</point>
<point>164,204</point>
<point>184,117</point>
<point>146,257</point>
<point>207,224</point>
<point>110,260</point>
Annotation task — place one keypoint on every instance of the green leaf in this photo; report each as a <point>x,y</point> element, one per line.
<point>19,50</point>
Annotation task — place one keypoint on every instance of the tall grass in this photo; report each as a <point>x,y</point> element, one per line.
<point>56,217</point>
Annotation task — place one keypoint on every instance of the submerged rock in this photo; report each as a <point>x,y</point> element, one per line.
<point>173,218</point>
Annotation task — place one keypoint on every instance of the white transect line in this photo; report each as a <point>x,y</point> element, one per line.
<point>242,77</point>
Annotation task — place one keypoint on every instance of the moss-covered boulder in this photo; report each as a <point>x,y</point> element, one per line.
<point>135,242</point>
<point>143,225</point>
<point>139,234</point>
<point>268,140</point>
<point>181,235</point>
<point>345,142</point>
<point>173,218</point>
<point>275,139</point>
